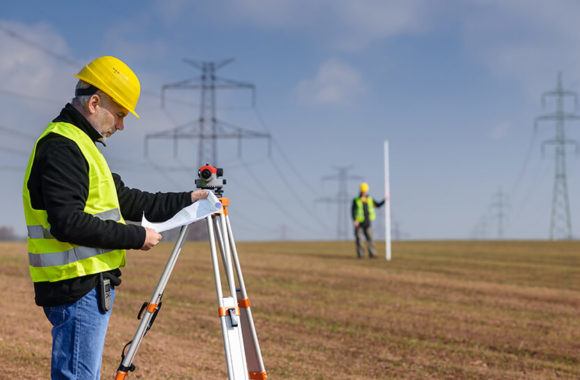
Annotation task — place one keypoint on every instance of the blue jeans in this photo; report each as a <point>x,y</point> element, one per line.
<point>78,338</point>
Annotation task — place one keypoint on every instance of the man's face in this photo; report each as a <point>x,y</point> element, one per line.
<point>109,116</point>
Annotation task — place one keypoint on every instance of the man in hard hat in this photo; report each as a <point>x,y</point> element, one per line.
<point>75,211</point>
<point>363,213</point>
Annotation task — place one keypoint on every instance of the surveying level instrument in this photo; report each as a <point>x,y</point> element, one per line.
<point>209,179</point>
<point>241,346</point>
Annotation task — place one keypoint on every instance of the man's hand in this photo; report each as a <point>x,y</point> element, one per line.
<point>355,223</point>
<point>199,194</point>
<point>152,238</point>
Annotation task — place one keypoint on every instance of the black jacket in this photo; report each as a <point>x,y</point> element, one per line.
<point>59,184</point>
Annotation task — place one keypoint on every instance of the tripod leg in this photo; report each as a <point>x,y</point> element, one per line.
<point>229,271</point>
<point>149,310</point>
<point>228,310</point>
<point>254,360</point>
<point>220,239</point>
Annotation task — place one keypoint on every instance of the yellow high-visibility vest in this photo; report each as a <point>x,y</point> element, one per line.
<point>52,260</point>
<point>359,212</point>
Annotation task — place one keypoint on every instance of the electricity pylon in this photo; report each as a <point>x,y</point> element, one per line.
<point>497,209</point>
<point>342,199</point>
<point>480,230</point>
<point>560,222</point>
<point>208,128</point>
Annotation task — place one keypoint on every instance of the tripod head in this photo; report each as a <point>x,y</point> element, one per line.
<point>209,179</point>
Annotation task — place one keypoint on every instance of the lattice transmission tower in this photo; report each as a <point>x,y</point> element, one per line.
<point>208,129</point>
<point>560,221</point>
<point>498,211</point>
<point>480,230</point>
<point>342,199</point>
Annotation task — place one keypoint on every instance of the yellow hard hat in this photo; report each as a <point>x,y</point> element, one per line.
<point>364,187</point>
<point>114,78</point>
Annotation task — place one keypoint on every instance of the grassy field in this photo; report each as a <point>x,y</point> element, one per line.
<point>445,310</point>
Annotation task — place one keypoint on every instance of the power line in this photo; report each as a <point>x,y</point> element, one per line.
<point>53,101</point>
<point>290,187</point>
<point>296,172</point>
<point>14,132</point>
<point>250,222</point>
<point>158,96</point>
<point>31,97</point>
<point>63,58</point>
<point>519,178</point>
<point>274,200</point>
<point>163,173</point>
<point>540,174</point>
<point>12,168</point>
<point>163,170</point>
<point>288,183</point>
<point>14,151</point>
<point>11,33</point>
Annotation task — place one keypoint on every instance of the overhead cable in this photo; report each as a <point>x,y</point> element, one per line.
<point>519,178</point>
<point>11,33</point>
<point>16,133</point>
<point>296,196</point>
<point>271,198</point>
<point>284,155</point>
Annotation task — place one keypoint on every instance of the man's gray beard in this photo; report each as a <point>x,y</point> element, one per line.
<point>103,139</point>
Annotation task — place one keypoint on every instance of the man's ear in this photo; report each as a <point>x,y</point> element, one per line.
<point>94,100</point>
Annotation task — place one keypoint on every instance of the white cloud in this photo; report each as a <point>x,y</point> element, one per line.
<point>170,11</point>
<point>25,68</point>
<point>274,13</point>
<point>360,23</point>
<point>526,41</point>
<point>335,83</point>
<point>126,41</point>
<point>346,24</point>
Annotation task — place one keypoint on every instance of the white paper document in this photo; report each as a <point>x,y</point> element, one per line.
<point>190,214</point>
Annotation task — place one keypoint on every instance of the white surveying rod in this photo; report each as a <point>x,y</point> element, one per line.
<point>387,205</point>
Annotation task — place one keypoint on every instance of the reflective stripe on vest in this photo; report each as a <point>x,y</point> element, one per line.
<point>39,232</point>
<point>359,212</point>
<point>63,258</point>
<point>54,260</point>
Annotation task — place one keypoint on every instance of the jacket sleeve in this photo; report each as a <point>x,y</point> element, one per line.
<point>379,204</point>
<point>353,210</point>
<point>158,207</point>
<point>64,182</point>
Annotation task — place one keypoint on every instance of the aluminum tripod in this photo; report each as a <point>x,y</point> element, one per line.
<point>241,346</point>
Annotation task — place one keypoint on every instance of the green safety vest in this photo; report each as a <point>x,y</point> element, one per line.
<point>50,259</point>
<point>359,212</point>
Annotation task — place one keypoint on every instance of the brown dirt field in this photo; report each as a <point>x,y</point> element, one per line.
<point>439,310</point>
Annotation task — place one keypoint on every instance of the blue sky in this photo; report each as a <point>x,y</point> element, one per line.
<point>453,85</point>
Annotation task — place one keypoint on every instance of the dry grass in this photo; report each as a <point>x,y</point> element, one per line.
<point>449,310</point>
